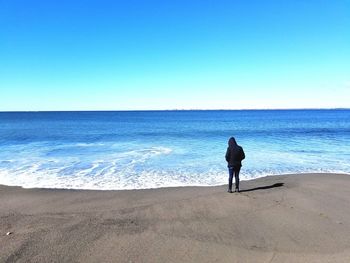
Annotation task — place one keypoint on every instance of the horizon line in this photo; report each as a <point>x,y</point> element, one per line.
<point>136,110</point>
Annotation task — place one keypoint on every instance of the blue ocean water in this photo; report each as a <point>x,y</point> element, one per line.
<point>150,149</point>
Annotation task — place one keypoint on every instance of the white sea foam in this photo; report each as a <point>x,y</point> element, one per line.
<point>117,171</point>
<point>109,178</point>
<point>132,169</point>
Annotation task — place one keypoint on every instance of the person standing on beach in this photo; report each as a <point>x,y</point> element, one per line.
<point>234,156</point>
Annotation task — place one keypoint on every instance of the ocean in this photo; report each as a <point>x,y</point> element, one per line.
<point>152,149</point>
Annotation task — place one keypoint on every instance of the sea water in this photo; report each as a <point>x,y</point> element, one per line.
<point>151,149</point>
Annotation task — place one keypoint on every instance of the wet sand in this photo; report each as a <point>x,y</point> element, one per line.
<point>287,218</point>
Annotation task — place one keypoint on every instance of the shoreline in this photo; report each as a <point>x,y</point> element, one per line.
<point>282,218</point>
<point>179,186</point>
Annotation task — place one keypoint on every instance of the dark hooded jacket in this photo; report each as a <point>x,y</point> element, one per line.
<point>234,154</point>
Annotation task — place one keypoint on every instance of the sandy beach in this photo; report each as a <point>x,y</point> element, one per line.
<point>287,218</point>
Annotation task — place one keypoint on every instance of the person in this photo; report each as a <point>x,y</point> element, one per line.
<point>234,156</point>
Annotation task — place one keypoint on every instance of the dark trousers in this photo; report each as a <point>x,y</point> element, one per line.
<point>231,171</point>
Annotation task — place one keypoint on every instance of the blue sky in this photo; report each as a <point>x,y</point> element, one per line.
<point>134,55</point>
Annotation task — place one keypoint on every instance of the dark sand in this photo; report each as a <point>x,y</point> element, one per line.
<point>307,219</point>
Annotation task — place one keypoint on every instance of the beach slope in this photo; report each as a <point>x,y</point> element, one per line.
<point>287,218</point>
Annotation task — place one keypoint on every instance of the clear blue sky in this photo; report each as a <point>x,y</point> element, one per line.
<point>183,54</point>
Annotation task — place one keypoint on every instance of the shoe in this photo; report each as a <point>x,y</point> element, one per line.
<point>236,190</point>
<point>229,191</point>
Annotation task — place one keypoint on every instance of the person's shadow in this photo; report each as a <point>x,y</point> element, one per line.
<point>263,187</point>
